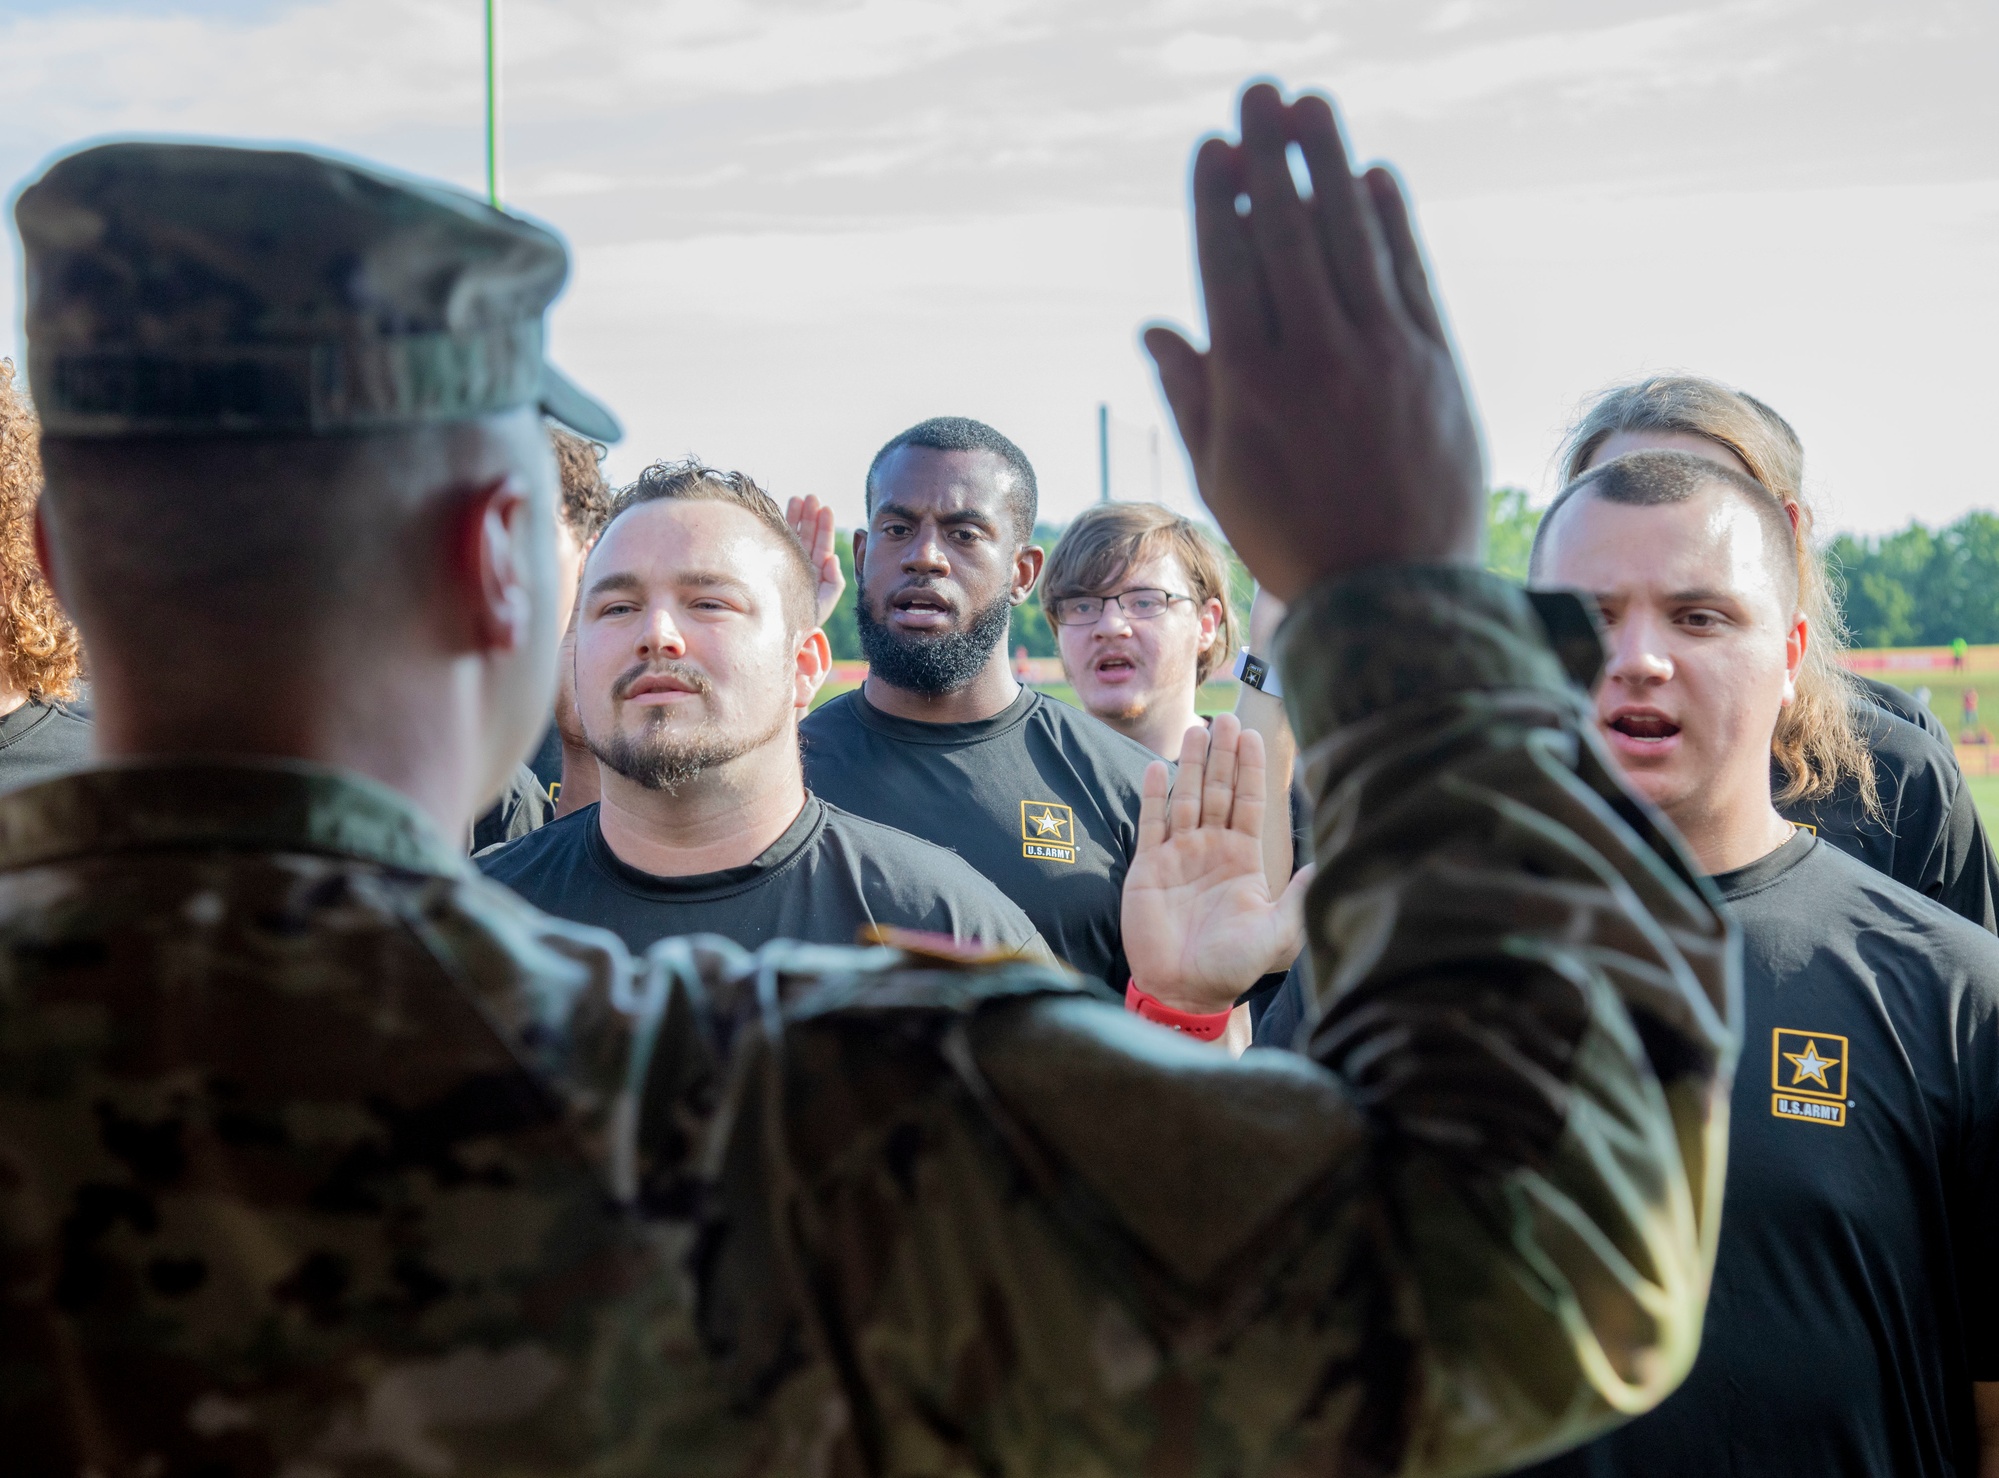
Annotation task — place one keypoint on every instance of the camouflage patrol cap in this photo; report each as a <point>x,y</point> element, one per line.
<point>190,289</point>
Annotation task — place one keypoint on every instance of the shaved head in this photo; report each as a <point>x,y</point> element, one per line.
<point>1652,479</point>
<point>262,536</point>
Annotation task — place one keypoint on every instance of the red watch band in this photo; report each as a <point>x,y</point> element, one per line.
<point>1207,1025</point>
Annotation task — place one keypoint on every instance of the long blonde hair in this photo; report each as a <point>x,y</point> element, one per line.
<point>1818,742</point>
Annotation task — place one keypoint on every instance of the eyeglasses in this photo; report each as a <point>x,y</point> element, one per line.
<point>1137,605</point>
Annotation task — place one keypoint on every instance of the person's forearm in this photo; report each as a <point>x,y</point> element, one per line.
<point>1265,715</point>
<point>1480,1222</point>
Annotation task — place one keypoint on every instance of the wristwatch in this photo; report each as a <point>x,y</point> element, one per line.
<point>1252,671</point>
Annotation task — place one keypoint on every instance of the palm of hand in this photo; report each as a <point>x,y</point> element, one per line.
<point>1196,908</point>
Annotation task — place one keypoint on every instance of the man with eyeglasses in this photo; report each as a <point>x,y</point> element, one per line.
<point>1139,599</point>
<point>941,740</point>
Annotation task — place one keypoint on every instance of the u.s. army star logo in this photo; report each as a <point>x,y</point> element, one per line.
<point>1810,1072</point>
<point>1047,831</point>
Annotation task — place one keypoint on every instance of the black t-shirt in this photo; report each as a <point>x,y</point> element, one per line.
<point>1929,837</point>
<point>1902,703</point>
<point>1041,798</point>
<point>829,874</point>
<point>39,741</point>
<point>1856,1292</point>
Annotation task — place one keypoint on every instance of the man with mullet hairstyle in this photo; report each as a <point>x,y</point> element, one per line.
<point>1862,763</point>
<point>1854,1324</point>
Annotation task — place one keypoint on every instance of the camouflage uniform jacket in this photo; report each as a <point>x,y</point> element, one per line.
<point>322,1157</point>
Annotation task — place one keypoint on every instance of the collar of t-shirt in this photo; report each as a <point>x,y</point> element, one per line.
<point>918,731</point>
<point>29,715</point>
<point>706,886</point>
<point>1766,869</point>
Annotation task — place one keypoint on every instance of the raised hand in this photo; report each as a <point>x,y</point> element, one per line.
<point>812,522</point>
<point>1327,422</point>
<point>1200,926</point>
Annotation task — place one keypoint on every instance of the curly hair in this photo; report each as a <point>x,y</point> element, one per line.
<point>586,496</point>
<point>40,652</point>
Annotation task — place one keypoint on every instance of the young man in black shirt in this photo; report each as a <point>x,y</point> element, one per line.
<point>1897,799</point>
<point>1853,1326</point>
<point>940,740</point>
<point>696,652</point>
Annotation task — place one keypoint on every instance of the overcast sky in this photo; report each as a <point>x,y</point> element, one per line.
<point>800,225</point>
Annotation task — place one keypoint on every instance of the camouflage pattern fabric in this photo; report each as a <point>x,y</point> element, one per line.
<point>321,1157</point>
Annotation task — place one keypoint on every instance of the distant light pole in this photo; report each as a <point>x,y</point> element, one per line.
<point>1103,453</point>
<point>492,107</point>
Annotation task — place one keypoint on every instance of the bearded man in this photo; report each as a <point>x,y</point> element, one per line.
<point>941,740</point>
<point>697,650</point>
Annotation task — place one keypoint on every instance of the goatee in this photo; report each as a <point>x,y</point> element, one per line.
<point>658,758</point>
<point>660,761</point>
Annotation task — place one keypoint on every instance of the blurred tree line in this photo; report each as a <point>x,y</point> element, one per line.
<point>1921,588</point>
<point>1509,532</point>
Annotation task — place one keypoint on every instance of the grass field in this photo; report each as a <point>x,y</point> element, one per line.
<point>1947,694</point>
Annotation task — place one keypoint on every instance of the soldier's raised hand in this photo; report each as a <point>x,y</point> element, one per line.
<point>1200,926</point>
<point>1327,421</point>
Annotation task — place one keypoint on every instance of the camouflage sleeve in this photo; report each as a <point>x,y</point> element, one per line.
<point>968,1220</point>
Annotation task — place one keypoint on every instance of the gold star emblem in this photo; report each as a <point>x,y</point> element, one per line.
<point>1808,1064</point>
<point>1046,823</point>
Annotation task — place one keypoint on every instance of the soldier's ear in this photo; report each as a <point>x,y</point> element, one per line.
<point>490,546</point>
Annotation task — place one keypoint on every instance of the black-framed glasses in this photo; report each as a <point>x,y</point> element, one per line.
<point>1137,605</point>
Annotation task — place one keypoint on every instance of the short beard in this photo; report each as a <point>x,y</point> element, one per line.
<point>931,665</point>
<point>659,759</point>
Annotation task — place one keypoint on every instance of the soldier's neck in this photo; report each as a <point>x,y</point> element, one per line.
<point>727,816</point>
<point>419,729</point>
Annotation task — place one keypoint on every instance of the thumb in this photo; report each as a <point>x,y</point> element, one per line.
<point>1183,377</point>
<point>1291,902</point>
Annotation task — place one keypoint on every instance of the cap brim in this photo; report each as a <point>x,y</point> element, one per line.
<point>564,400</point>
